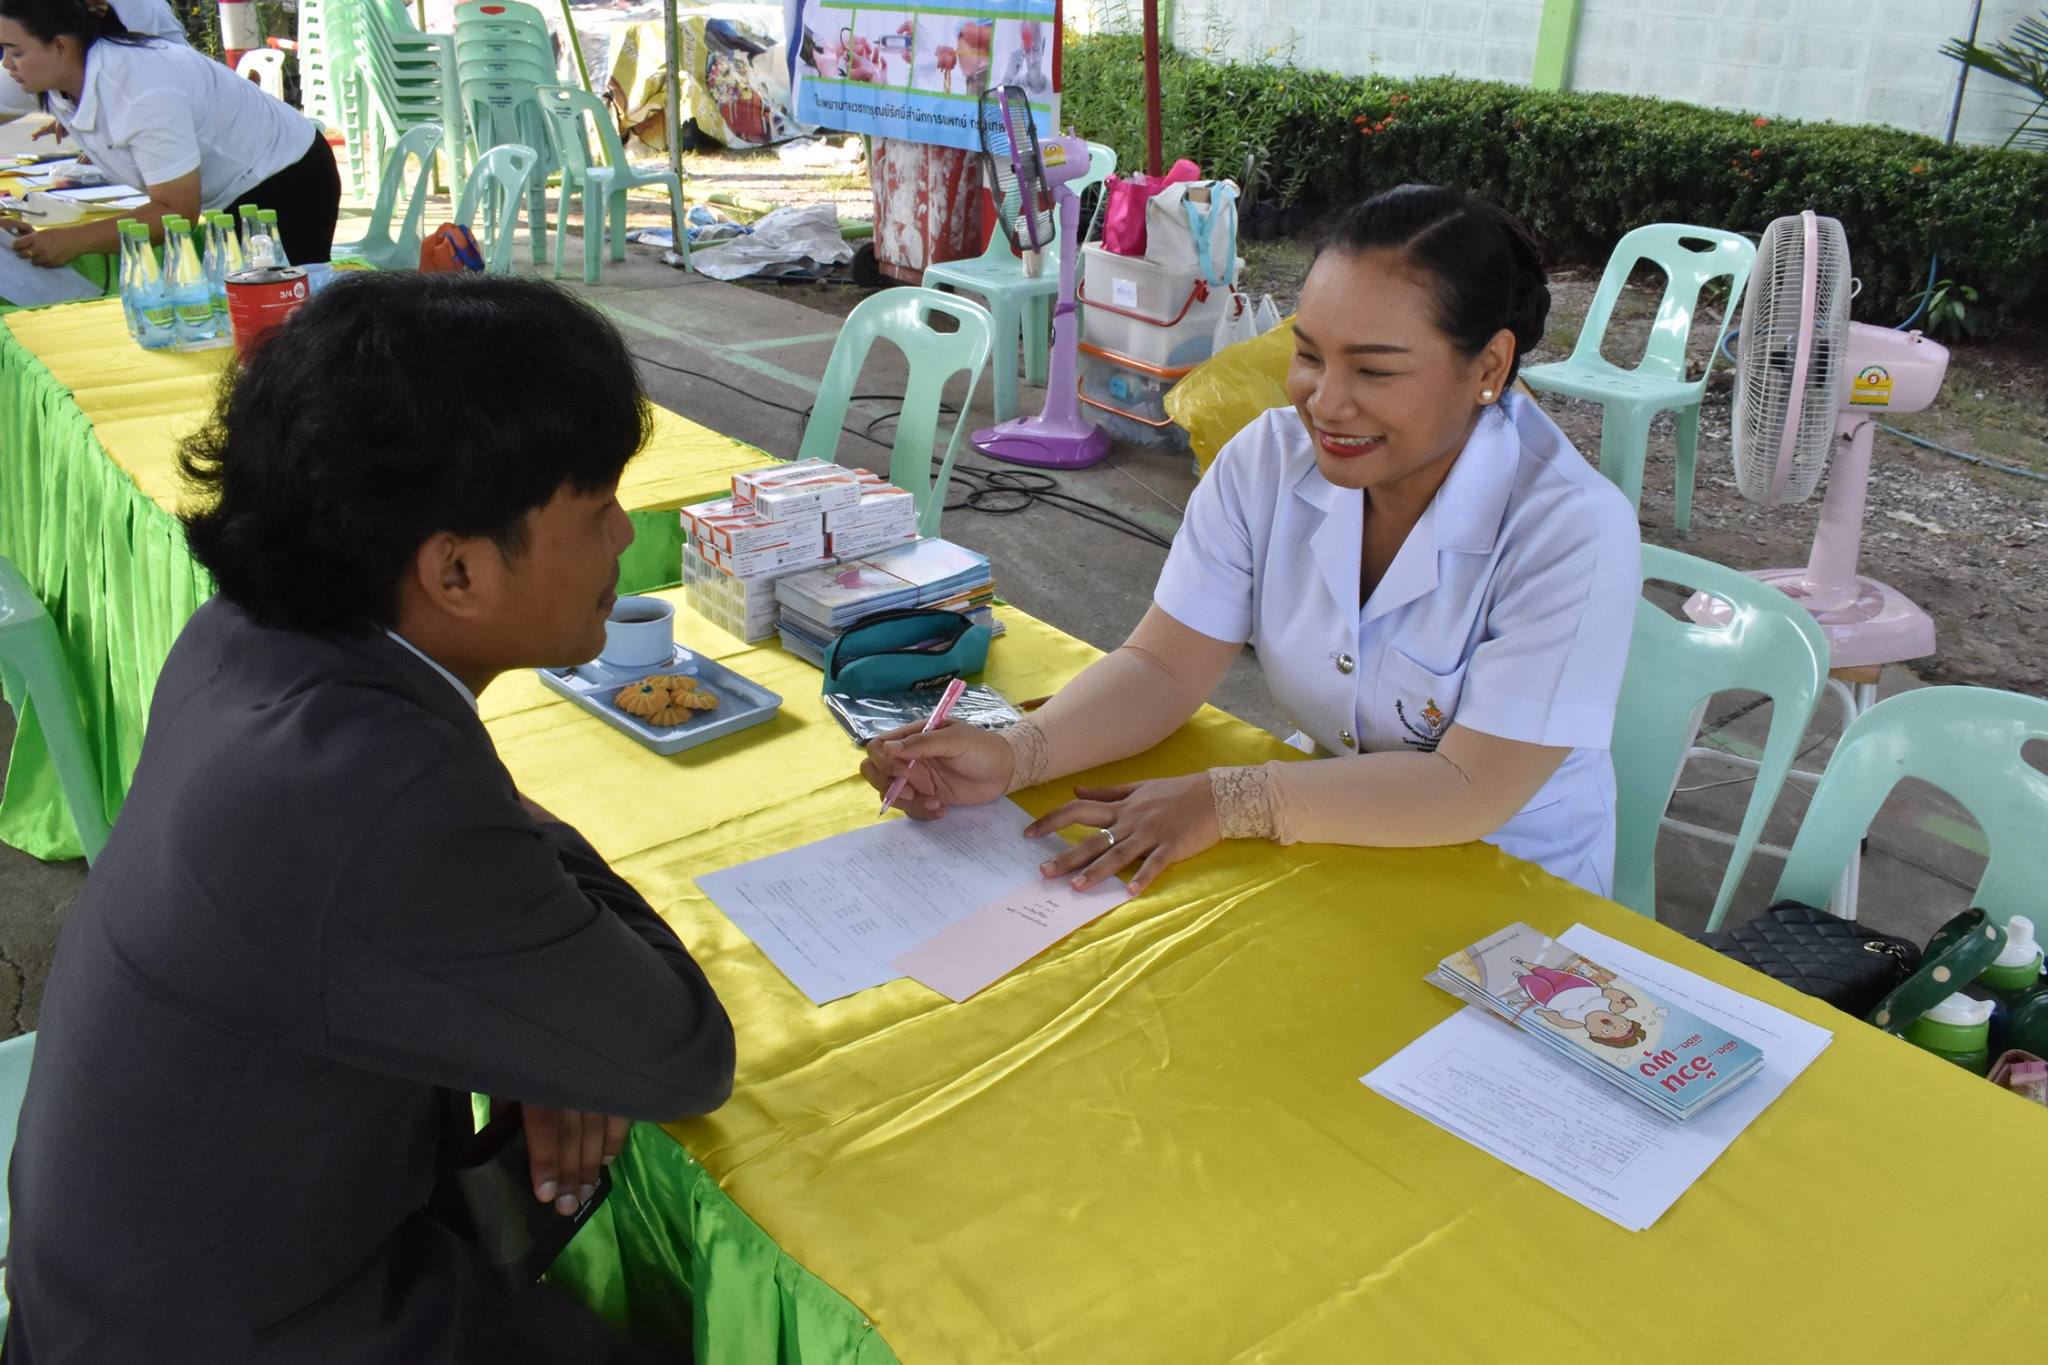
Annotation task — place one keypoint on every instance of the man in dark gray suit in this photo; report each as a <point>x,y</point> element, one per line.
<point>326,915</point>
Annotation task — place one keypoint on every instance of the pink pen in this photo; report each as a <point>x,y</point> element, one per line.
<point>939,714</point>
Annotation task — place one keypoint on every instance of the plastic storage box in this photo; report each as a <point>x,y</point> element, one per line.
<point>1154,314</point>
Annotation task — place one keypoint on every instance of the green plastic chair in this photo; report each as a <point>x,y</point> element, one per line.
<point>379,246</point>
<point>604,184</point>
<point>1691,257</point>
<point>1020,303</point>
<point>33,668</point>
<point>1769,645</point>
<point>16,1054</point>
<point>496,187</point>
<point>904,318</point>
<point>1964,740</point>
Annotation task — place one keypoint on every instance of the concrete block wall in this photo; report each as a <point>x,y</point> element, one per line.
<point>1851,61</point>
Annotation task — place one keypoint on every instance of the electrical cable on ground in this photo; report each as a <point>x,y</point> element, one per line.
<point>996,492</point>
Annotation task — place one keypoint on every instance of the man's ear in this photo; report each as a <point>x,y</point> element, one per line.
<point>451,573</point>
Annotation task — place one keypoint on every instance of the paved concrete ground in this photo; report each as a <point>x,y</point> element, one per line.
<point>746,362</point>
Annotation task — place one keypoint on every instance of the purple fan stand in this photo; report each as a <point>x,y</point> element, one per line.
<point>1059,437</point>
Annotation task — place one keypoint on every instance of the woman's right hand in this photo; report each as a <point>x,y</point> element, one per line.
<point>957,765</point>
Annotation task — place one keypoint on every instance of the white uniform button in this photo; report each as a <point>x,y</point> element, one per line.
<point>1349,742</point>
<point>1345,663</point>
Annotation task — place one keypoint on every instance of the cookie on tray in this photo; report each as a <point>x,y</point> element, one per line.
<point>664,699</point>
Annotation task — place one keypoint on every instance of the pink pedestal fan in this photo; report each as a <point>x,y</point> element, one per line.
<point>1025,172</point>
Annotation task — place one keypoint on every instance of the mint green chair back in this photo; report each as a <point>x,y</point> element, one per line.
<point>16,1055</point>
<point>490,202</point>
<point>572,118</point>
<point>381,246</point>
<point>1019,303</point>
<point>1691,258</point>
<point>37,679</point>
<point>1966,741</point>
<point>1770,645</point>
<point>903,317</point>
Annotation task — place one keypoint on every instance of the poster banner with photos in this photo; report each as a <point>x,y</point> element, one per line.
<point>916,72</point>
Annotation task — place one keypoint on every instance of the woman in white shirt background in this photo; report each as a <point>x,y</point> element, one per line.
<point>143,18</point>
<point>1439,588</point>
<point>171,122</point>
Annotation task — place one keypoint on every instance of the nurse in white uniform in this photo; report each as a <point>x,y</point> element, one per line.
<point>1439,588</point>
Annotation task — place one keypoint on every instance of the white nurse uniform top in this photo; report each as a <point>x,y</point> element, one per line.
<point>1508,610</point>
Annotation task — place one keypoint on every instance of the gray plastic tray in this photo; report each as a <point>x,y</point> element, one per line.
<point>741,702</point>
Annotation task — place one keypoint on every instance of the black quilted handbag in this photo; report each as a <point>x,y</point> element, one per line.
<point>1837,960</point>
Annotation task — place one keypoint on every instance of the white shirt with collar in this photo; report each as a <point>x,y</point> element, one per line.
<point>145,18</point>
<point>151,112</point>
<point>1507,610</point>
<point>431,662</point>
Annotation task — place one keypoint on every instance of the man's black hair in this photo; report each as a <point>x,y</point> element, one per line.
<point>390,408</point>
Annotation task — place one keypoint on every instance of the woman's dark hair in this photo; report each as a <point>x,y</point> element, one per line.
<point>1482,264</point>
<point>390,408</point>
<point>49,20</point>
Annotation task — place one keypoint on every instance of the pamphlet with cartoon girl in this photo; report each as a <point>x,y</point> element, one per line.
<point>1661,1053</point>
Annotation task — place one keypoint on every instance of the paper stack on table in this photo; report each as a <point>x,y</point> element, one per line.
<point>956,903</point>
<point>1480,1079</point>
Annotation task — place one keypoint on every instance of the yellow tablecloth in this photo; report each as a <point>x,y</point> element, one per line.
<point>1151,1144</point>
<point>143,403</point>
<point>89,429</point>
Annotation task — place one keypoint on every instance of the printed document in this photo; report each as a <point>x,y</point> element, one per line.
<point>1482,1080</point>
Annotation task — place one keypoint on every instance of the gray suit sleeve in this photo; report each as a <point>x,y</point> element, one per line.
<point>474,949</point>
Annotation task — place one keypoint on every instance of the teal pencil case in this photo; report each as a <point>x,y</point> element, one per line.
<point>901,651</point>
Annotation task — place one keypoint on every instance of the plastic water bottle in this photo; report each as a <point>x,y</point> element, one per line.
<point>268,217</point>
<point>223,258</point>
<point>189,292</point>
<point>261,248</point>
<point>126,228</point>
<point>156,315</point>
<point>248,230</point>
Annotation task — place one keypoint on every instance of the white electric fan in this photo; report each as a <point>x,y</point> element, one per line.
<point>1024,172</point>
<point>1809,385</point>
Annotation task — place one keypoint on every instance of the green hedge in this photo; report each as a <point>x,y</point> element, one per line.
<point>1581,169</point>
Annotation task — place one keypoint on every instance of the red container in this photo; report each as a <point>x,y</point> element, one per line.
<point>260,299</point>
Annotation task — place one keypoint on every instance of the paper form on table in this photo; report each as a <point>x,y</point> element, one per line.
<point>1481,1080</point>
<point>998,938</point>
<point>834,914</point>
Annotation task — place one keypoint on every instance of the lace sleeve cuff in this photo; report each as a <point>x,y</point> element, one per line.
<point>1247,802</point>
<point>1031,755</point>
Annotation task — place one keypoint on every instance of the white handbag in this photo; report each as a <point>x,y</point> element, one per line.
<point>1192,226</point>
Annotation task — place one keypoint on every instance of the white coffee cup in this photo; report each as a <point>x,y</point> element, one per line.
<point>640,633</point>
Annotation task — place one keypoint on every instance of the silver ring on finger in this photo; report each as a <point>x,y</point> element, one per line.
<point>1110,835</point>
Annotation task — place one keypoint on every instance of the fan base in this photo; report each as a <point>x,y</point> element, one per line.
<point>1881,626</point>
<point>1044,445</point>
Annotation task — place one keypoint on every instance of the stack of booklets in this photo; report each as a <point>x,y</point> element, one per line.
<point>1668,1058</point>
<point>818,605</point>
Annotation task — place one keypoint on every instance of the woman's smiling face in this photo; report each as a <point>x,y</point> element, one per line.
<point>1385,395</point>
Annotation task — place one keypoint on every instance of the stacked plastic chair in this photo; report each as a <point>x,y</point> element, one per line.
<point>503,53</point>
<point>327,90</point>
<point>394,79</point>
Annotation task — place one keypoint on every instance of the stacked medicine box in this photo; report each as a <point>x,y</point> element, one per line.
<point>780,520</point>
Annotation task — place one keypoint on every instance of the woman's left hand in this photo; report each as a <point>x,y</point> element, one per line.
<point>1159,822</point>
<point>48,247</point>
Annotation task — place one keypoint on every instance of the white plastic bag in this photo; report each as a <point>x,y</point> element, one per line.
<point>1236,324</point>
<point>1266,316</point>
<point>1193,226</point>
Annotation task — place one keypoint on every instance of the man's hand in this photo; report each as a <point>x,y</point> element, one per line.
<point>567,1149</point>
<point>50,129</point>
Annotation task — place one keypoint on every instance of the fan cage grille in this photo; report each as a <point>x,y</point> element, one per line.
<point>1767,354</point>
